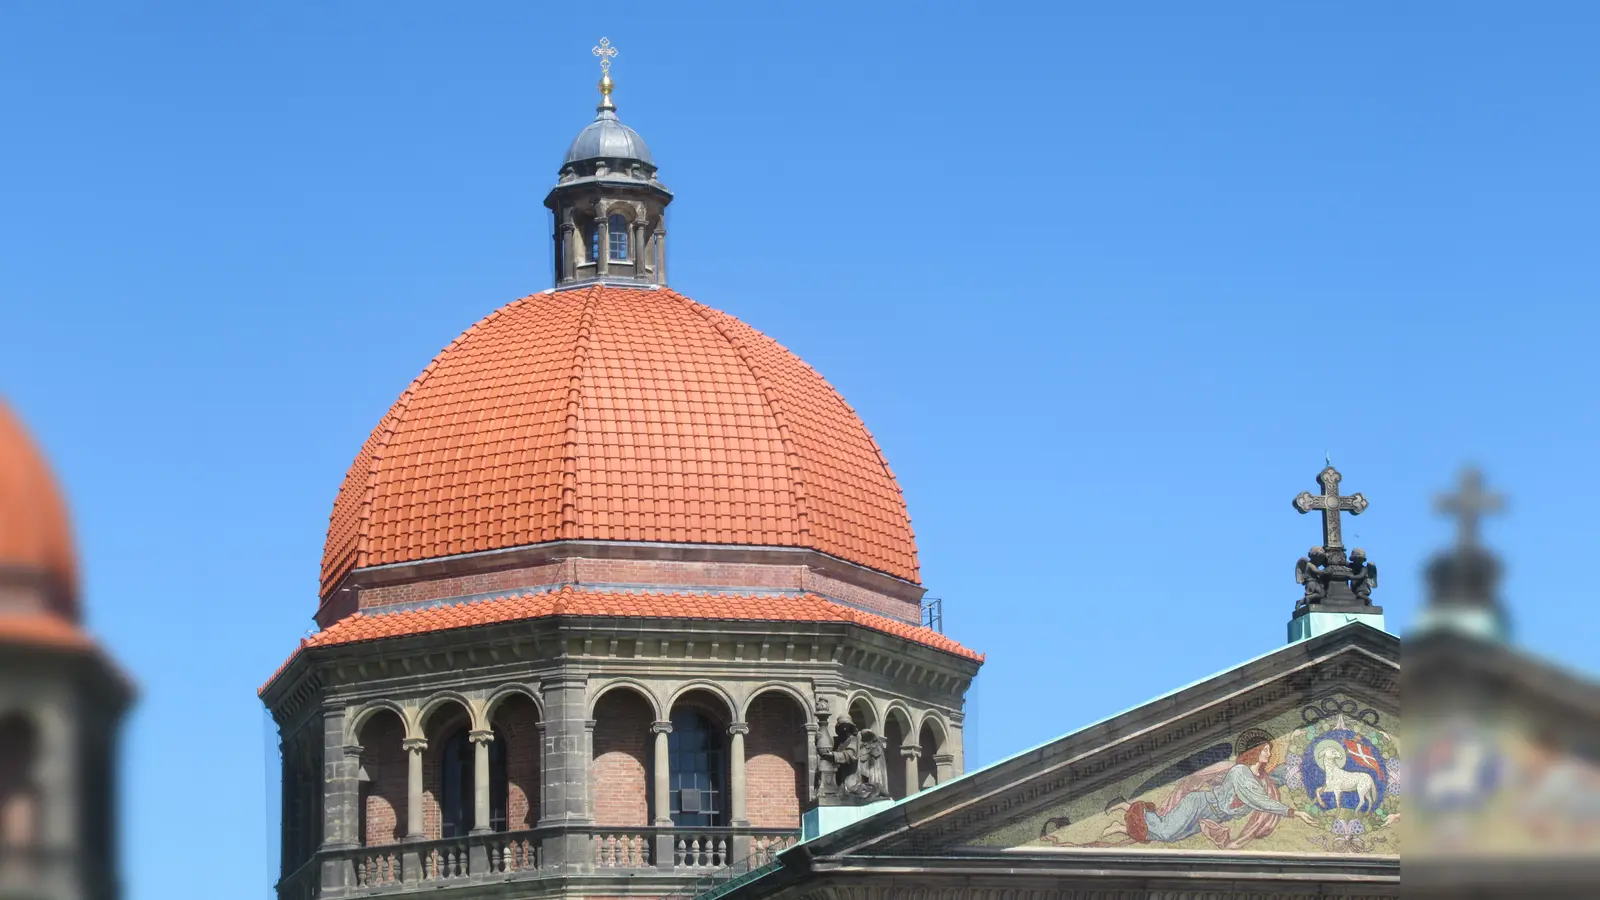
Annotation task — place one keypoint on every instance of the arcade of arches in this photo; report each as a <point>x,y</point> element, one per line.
<point>446,769</point>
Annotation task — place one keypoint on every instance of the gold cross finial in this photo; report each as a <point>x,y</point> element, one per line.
<point>605,51</point>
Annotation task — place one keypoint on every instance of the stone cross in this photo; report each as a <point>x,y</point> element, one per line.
<point>605,51</point>
<point>1330,504</point>
<point>1468,505</point>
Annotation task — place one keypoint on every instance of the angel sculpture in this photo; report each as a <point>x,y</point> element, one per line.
<point>1363,576</point>
<point>1309,572</point>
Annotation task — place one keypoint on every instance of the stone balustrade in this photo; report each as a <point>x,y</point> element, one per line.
<point>518,855</point>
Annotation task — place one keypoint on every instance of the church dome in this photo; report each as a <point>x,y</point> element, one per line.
<point>607,138</point>
<point>35,534</point>
<point>611,413</point>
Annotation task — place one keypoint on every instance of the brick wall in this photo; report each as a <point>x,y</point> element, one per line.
<point>775,761</point>
<point>384,792</point>
<point>664,574</point>
<point>516,721</point>
<point>619,778</point>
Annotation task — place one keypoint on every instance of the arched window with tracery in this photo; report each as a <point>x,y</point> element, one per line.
<point>458,788</point>
<point>698,769</point>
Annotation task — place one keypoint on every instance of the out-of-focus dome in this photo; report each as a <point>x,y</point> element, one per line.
<point>617,414</point>
<point>35,533</point>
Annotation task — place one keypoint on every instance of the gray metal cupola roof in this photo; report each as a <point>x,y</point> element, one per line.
<point>607,138</point>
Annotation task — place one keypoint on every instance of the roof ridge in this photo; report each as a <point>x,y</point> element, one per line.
<point>569,456</point>
<point>774,407</point>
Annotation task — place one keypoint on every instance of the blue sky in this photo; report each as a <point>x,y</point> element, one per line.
<point>1105,283</point>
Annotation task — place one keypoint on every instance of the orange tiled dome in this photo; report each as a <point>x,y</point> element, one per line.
<point>617,414</point>
<point>35,536</point>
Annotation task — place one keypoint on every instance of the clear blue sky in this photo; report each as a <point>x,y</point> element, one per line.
<point>1105,284</point>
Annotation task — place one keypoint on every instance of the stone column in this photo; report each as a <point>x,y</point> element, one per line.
<point>566,771</point>
<point>567,267</point>
<point>602,241</point>
<point>661,793</point>
<point>480,780</point>
<point>736,777</point>
<point>913,782</point>
<point>636,252</point>
<point>944,766</point>
<point>410,859</point>
<point>661,256</point>
<point>738,804</point>
<point>414,747</point>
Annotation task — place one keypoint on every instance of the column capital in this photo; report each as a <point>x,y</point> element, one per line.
<point>353,751</point>
<point>944,759</point>
<point>564,680</point>
<point>480,737</point>
<point>661,727</point>
<point>415,745</point>
<point>739,728</point>
<point>911,752</point>
<point>589,724</point>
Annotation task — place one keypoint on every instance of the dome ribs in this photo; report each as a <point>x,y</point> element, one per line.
<point>617,414</point>
<point>574,432</point>
<point>774,408</point>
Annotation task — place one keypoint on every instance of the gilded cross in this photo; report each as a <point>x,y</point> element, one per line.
<point>1468,505</point>
<point>1330,504</point>
<point>605,51</point>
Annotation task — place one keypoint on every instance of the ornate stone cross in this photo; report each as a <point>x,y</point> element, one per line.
<point>605,51</point>
<point>1468,505</point>
<point>1330,504</point>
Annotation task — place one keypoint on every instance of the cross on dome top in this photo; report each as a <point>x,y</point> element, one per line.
<point>1469,504</point>
<point>606,52</point>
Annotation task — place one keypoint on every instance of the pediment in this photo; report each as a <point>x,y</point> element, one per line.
<point>1294,752</point>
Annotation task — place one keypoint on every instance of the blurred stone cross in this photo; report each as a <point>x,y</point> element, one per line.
<point>1330,504</point>
<point>1469,504</point>
<point>605,51</point>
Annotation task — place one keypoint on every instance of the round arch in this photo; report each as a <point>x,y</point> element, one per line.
<point>863,701</point>
<point>941,731</point>
<point>506,691</point>
<point>730,708</point>
<point>364,714</point>
<point>634,685</point>
<point>419,726</point>
<point>774,687</point>
<point>896,711</point>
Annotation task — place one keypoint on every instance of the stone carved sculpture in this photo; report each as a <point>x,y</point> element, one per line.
<point>1363,576</point>
<point>853,769</point>
<point>1311,571</point>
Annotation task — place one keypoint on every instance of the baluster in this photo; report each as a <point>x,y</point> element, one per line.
<point>677,852</point>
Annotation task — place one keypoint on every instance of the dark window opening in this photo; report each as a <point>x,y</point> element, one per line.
<point>697,770</point>
<point>458,794</point>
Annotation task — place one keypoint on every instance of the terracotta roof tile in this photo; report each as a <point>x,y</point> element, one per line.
<point>609,413</point>
<point>571,602</point>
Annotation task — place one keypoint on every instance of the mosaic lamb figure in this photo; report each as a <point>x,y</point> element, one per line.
<point>1337,780</point>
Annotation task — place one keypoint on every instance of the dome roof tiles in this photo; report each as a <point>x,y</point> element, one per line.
<point>617,414</point>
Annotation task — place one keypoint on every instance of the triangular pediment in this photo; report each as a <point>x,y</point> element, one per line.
<point>1295,752</point>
